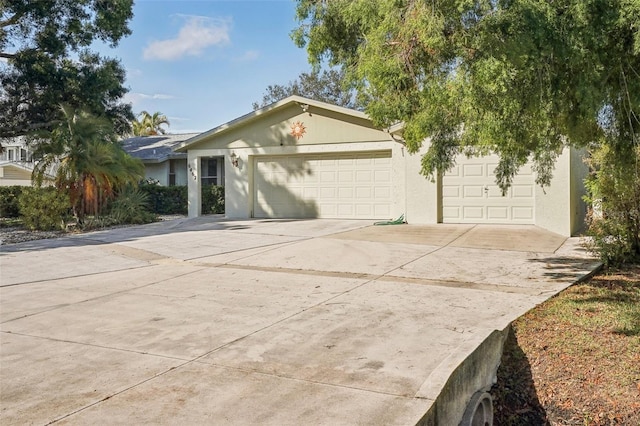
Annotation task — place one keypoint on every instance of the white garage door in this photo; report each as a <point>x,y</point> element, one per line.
<point>349,186</point>
<point>470,195</point>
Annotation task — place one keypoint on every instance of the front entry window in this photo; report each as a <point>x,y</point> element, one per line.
<point>210,171</point>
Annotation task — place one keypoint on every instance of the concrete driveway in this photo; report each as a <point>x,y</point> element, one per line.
<point>211,321</point>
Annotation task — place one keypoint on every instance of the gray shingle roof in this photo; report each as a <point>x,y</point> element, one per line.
<point>155,149</point>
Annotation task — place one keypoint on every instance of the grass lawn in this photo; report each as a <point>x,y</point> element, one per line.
<point>575,360</point>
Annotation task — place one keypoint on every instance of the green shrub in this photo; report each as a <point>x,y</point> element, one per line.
<point>175,199</point>
<point>212,199</point>
<point>44,208</point>
<point>166,199</point>
<point>9,196</point>
<point>131,206</point>
<point>614,194</point>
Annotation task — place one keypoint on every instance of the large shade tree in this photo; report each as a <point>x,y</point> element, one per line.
<point>46,60</point>
<point>518,77</point>
<point>86,160</point>
<point>320,85</point>
<point>521,78</point>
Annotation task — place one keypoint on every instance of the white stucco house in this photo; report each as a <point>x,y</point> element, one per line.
<point>341,166</point>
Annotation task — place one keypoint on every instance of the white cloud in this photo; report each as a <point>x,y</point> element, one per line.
<point>198,33</point>
<point>134,72</point>
<point>248,56</point>
<point>134,98</point>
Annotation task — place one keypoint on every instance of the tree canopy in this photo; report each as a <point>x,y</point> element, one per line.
<point>149,124</point>
<point>521,78</point>
<point>45,48</point>
<point>326,86</point>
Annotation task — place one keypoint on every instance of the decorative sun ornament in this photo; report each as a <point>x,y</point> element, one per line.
<point>298,129</point>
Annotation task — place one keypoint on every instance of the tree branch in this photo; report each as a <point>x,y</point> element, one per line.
<point>12,20</point>
<point>12,133</point>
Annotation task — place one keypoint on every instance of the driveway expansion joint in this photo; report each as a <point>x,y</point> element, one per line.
<point>298,379</point>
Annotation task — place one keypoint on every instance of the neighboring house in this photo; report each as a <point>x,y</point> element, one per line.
<point>15,173</point>
<point>338,165</point>
<point>161,163</point>
<point>16,163</point>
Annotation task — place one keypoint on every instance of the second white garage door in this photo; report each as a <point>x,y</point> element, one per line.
<point>470,194</point>
<point>346,186</point>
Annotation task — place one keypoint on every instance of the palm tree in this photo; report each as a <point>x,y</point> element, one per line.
<point>89,163</point>
<point>149,124</point>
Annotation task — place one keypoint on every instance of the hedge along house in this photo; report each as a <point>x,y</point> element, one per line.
<point>300,158</point>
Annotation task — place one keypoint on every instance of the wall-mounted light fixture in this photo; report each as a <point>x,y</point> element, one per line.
<point>234,159</point>
<point>305,108</point>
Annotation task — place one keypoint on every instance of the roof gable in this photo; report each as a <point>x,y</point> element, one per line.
<point>274,117</point>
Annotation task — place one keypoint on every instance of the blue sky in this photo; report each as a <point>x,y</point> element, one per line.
<point>203,63</point>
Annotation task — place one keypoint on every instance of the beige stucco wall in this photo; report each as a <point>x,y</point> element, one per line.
<point>157,171</point>
<point>160,171</point>
<point>559,207</point>
<point>579,172</point>
<point>422,194</point>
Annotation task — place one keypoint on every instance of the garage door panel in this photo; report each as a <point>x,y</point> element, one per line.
<point>496,193</point>
<point>364,176</point>
<point>345,193</point>
<point>473,191</point>
<point>522,191</point>
<point>382,210</point>
<point>525,170</point>
<point>327,192</point>
<point>454,172</point>
<point>364,210</point>
<point>382,193</point>
<point>328,176</point>
<point>329,210</point>
<point>470,194</point>
<point>450,191</point>
<point>382,176</point>
<point>523,213</point>
<point>346,210</point>
<point>451,213</point>
<point>345,176</point>
<point>473,170</point>
<point>310,192</point>
<point>497,213</point>
<point>364,192</point>
<point>473,212</point>
<point>312,177</point>
<point>355,185</point>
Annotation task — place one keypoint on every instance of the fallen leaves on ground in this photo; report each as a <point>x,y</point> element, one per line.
<point>575,360</point>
